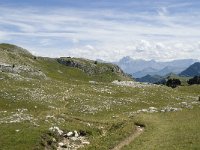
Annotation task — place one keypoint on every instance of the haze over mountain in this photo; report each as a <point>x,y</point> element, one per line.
<point>139,67</point>
<point>150,79</point>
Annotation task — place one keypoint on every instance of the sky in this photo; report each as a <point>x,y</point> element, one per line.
<point>103,29</point>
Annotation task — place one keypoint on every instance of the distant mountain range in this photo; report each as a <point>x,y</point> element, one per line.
<point>191,71</point>
<point>139,68</point>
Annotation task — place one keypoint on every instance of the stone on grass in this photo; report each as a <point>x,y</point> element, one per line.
<point>76,133</point>
<point>69,134</point>
<point>56,129</point>
<point>61,144</point>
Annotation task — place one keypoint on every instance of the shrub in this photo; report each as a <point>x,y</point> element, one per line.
<point>194,80</point>
<point>173,83</point>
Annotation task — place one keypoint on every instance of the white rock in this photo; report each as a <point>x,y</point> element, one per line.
<point>76,133</point>
<point>162,110</point>
<point>69,134</point>
<point>56,129</point>
<point>93,82</point>
<point>85,142</point>
<point>184,103</point>
<point>152,108</point>
<point>74,138</point>
<point>61,144</point>
<point>152,111</point>
<point>194,102</point>
<point>144,110</point>
<point>54,140</point>
<point>51,129</point>
<point>60,132</point>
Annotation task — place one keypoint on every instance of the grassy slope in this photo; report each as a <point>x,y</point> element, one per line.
<point>86,94</point>
<point>74,102</point>
<point>175,130</point>
<point>170,131</point>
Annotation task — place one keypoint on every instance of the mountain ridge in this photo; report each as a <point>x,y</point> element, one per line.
<point>191,71</point>
<point>135,67</point>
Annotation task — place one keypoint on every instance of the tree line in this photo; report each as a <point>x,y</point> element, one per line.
<point>176,82</point>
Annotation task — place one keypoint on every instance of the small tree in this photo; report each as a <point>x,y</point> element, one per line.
<point>195,80</point>
<point>173,83</point>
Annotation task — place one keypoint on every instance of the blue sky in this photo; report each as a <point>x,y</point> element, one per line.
<point>103,29</point>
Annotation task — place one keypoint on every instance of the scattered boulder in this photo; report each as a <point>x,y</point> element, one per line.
<point>170,109</point>
<point>69,134</point>
<point>76,133</point>
<point>149,110</point>
<point>71,140</point>
<point>56,129</point>
<point>61,144</point>
<point>133,84</point>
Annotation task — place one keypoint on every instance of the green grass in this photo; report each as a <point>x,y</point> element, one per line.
<point>177,130</point>
<point>67,95</point>
<point>109,100</point>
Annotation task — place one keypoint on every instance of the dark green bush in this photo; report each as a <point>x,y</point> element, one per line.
<point>195,80</point>
<point>173,83</point>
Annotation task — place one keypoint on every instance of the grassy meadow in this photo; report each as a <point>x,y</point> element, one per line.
<point>73,100</point>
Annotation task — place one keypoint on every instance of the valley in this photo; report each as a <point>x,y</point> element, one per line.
<point>79,103</point>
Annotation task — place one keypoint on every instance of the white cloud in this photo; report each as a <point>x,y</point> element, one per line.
<point>103,34</point>
<point>90,47</point>
<point>160,46</point>
<point>162,11</point>
<point>4,36</point>
<point>45,42</point>
<point>75,40</point>
<point>198,45</point>
<point>151,50</point>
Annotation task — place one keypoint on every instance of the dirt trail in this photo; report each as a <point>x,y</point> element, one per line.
<point>139,130</point>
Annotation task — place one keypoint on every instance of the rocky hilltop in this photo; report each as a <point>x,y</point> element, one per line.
<point>18,61</point>
<point>90,67</point>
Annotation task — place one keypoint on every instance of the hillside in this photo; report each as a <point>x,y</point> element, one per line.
<point>150,79</point>
<point>191,71</point>
<point>162,79</point>
<point>13,54</point>
<point>74,103</point>
<point>19,61</point>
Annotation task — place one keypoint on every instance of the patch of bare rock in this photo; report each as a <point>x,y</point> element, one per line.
<point>66,140</point>
<point>132,84</point>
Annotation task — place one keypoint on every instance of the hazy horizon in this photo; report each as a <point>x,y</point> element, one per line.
<point>107,29</point>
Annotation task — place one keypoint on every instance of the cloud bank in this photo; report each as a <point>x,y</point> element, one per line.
<point>105,30</point>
